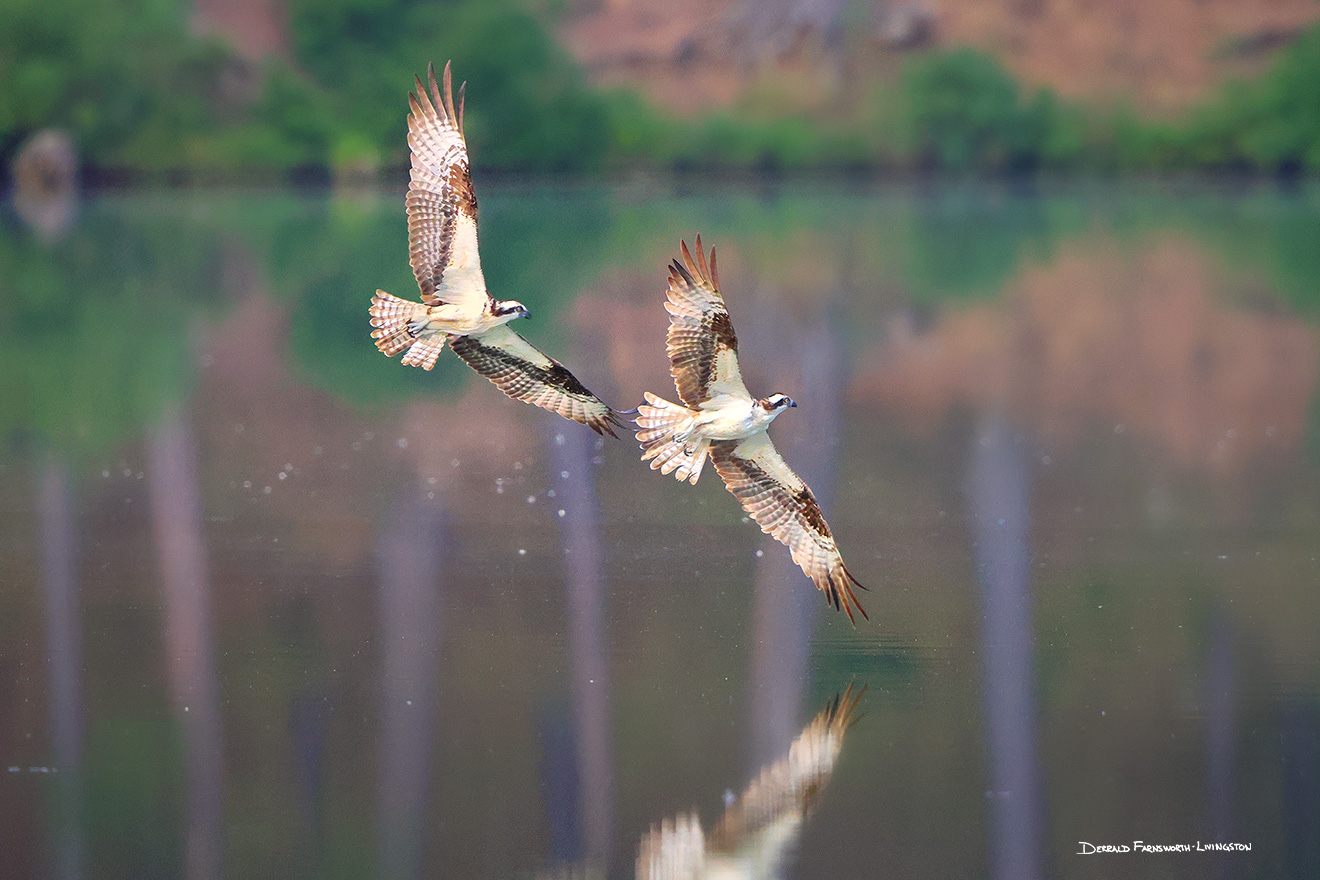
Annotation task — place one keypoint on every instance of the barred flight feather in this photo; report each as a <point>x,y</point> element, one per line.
<point>523,371</point>
<point>784,508</point>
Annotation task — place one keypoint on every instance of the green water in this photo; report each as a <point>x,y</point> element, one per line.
<point>273,605</point>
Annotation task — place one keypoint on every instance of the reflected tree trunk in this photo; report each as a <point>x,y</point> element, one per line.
<point>998,497</point>
<point>59,557</point>
<point>572,449</point>
<point>1219,734</point>
<point>786,602</point>
<point>176,513</point>
<point>1300,772</point>
<point>409,566</point>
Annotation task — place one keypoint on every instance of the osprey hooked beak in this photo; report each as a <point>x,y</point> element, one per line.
<point>512,309</point>
<point>777,402</point>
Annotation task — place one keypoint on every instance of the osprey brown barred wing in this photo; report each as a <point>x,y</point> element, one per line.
<point>442,208</point>
<point>786,510</point>
<point>703,349</point>
<point>521,370</point>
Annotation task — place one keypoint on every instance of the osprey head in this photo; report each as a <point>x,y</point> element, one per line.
<point>509,309</point>
<point>776,403</point>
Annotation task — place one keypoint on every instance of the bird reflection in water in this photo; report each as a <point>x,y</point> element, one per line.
<point>753,837</point>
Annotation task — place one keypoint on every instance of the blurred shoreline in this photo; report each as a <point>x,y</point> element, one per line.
<point>314,93</point>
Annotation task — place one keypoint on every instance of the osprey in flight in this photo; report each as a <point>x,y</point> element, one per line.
<point>722,421</point>
<point>455,306</point>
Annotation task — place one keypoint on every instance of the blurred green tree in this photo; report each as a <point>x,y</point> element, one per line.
<point>963,109</point>
<point>532,110</point>
<point>124,77</point>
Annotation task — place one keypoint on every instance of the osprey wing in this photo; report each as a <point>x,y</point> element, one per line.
<point>786,510</point>
<point>442,209</point>
<point>703,349</point>
<point>524,372</point>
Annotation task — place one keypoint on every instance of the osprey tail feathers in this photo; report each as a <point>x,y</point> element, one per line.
<point>659,422</point>
<point>394,322</point>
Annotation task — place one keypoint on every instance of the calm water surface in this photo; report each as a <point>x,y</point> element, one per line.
<point>272,605</point>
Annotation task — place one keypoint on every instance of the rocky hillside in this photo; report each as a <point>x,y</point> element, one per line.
<point>696,54</point>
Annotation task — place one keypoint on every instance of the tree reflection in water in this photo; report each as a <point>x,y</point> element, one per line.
<point>64,650</point>
<point>998,502</point>
<point>176,513</point>
<point>410,562</point>
<point>571,452</point>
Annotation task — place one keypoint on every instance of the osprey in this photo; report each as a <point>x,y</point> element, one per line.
<point>455,306</point>
<point>722,421</point>
<point>760,826</point>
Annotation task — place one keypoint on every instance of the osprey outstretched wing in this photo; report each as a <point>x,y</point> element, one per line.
<point>703,349</point>
<point>774,496</point>
<point>456,306</point>
<point>524,372</point>
<point>720,420</point>
<point>442,208</point>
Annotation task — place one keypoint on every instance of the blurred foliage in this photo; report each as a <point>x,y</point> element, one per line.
<point>123,77</point>
<point>96,326</point>
<point>1268,124</point>
<point>142,96</point>
<point>534,110</point>
<point>965,111</point>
